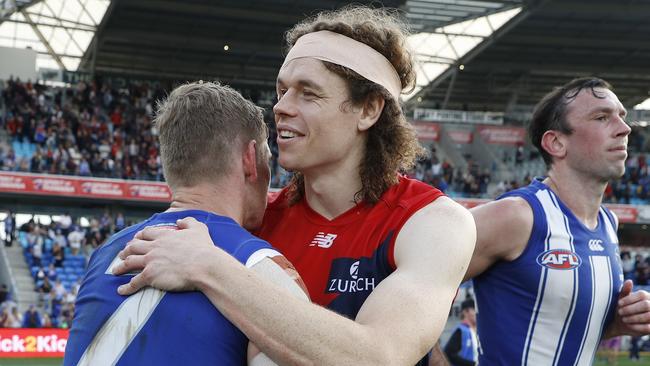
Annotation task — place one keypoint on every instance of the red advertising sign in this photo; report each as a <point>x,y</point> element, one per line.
<point>502,135</point>
<point>427,131</point>
<point>38,342</point>
<point>461,136</point>
<point>84,187</point>
<point>625,213</point>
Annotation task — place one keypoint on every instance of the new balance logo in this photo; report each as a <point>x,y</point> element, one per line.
<point>323,240</point>
<point>596,245</point>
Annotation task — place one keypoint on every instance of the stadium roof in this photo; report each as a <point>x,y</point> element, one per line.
<point>513,51</point>
<point>545,45</point>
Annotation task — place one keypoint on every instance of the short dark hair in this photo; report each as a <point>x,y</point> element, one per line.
<point>550,112</point>
<point>467,304</point>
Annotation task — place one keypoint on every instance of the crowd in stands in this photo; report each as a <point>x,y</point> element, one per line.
<point>90,129</point>
<point>636,267</point>
<point>95,129</point>
<point>57,256</point>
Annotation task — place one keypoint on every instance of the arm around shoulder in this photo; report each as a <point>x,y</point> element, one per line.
<point>432,251</point>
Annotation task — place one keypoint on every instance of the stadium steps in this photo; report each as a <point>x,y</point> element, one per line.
<point>25,294</point>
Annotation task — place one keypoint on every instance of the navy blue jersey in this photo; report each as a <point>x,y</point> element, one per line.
<point>153,327</point>
<point>551,305</point>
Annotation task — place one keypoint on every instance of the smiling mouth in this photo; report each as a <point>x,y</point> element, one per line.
<point>288,135</point>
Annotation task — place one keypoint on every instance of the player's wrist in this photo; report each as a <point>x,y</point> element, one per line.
<point>207,269</point>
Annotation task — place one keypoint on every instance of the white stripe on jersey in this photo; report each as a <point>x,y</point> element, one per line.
<point>611,230</point>
<point>549,328</point>
<point>601,274</point>
<point>121,328</point>
<point>259,255</point>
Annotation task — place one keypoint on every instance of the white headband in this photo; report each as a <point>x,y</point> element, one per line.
<point>344,51</point>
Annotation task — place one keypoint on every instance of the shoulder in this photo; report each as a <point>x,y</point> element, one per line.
<point>440,229</point>
<point>503,227</point>
<point>410,191</point>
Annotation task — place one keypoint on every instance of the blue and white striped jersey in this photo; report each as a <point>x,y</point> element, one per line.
<point>551,305</point>
<point>153,327</point>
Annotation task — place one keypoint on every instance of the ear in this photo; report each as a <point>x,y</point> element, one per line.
<point>249,160</point>
<point>554,142</point>
<point>371,111</point>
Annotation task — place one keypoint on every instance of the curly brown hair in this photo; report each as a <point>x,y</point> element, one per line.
<point>391,145</point>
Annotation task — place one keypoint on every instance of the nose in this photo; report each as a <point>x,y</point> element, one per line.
<point>624,129</point>
<point>285,106</point>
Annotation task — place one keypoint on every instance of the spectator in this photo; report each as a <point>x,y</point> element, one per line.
<point>58,255</point>
<point>32,318</point>
<point>4,293</point>
<point>16,319</point>
<point>10,227</point>
<point>65,222</point>
<point>75,238</point>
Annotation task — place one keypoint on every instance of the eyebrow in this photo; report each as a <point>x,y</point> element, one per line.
<point>302,82</point>
<point>606,110</point>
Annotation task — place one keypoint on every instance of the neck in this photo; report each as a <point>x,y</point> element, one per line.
<point>330,190</point>
<point>221,198</point>
<point>583,195</point>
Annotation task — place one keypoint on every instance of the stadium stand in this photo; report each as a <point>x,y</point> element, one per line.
<point>93,129</point>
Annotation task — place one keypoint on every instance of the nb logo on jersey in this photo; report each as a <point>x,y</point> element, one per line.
<point>323,240</point>
<point>559,259</point>
<point>596,245</point>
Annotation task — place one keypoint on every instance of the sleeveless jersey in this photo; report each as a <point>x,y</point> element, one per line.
<point>153,327</point>
<point>551,305</point>
<point>342,260</point>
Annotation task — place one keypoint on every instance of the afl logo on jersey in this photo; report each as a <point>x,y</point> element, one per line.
<point>559,259</point>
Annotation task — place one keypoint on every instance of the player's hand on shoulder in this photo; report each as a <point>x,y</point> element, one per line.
<point>632,313</point>
<point>167,259</point>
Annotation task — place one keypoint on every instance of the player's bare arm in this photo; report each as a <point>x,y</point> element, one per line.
<point>432,252</point>
<point>279,271</point>
<point>503,228</point>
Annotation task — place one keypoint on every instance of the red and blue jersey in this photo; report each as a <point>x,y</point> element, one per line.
<point>342,260</point>
<point>551,305</point>
<point>153,327</point>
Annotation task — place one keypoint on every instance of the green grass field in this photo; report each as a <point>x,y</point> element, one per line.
<point>30,361</point>
<point>622,361</point>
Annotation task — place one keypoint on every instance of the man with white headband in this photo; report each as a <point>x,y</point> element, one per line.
<point>382,252</point>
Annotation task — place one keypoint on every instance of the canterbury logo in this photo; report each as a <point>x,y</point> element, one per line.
<point>596,245</point>
<point>323,240</point>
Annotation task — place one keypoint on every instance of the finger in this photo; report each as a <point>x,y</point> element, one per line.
<point>626,289</point>
<point>642,318</point>
<point>132,263</point>
<point>189,223</point>
<point>133,286</point>
<point>136,247</point>
<point>642,305</point>
<point>152,232</point>
<point>634,297</point>
<point>637,329</point>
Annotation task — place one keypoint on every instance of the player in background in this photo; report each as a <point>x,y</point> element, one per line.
<point>215,158</point>
<point>546,269</point>
<point>462,347</point>
<point>384,252</point>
